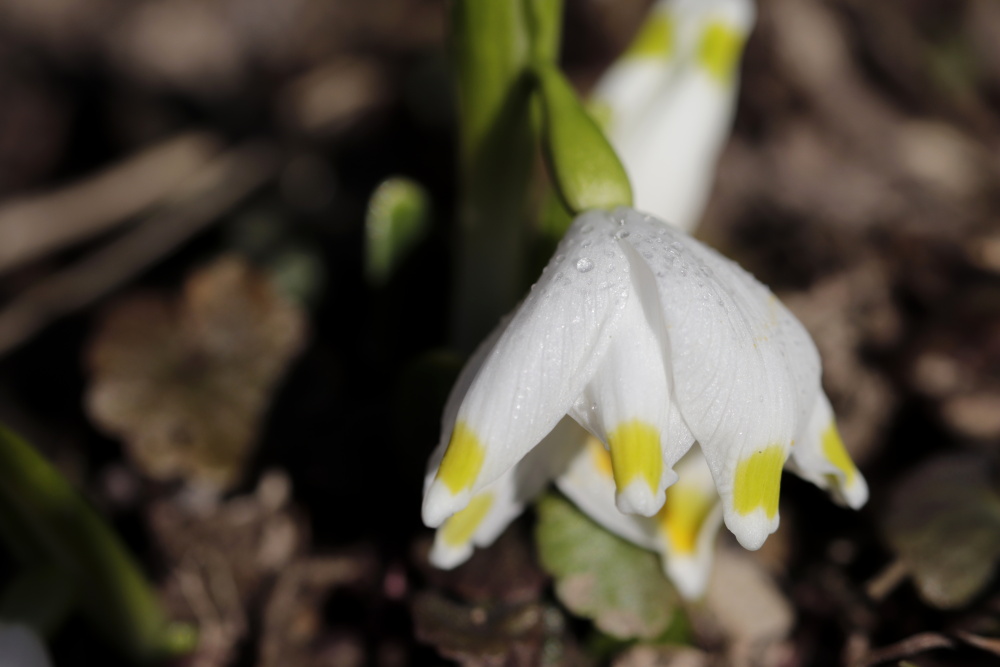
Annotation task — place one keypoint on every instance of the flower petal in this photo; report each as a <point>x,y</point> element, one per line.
<point>684,530</point>
<point>538,367</point>
<point>820,457</point>
<point>589,482</point>
<point>668,114</point>
<point>491,510</point>
<point>746,373</point>
<point>628,404</point>
<point>688,525</point>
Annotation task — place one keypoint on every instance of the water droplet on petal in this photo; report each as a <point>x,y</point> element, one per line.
<point>584,264</point>
<point>623,235</point>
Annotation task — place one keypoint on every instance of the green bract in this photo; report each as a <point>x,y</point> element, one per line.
<point>584,167</point>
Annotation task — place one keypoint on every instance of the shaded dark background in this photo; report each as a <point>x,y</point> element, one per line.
<point>861,183</point>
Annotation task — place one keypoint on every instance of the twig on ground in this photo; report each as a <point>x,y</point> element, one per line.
<point>920,643</point>
<point>209,193</point>
<point>33,226</point>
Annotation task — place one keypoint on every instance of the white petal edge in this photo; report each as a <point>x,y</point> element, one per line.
<point>688,568</point>
<point>670,118</point>
<point>628,406</point>
<point>495,507</point>
<point>541,362</point>
<point>588,482</point>
<point>746,373</point>
<point>819,456</point>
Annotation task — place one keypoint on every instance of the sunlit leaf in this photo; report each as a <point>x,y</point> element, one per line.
<point>601,576</point>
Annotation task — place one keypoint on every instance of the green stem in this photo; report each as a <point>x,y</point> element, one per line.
<point>492,50</point>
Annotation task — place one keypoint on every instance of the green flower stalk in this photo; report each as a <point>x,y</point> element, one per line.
<point>492,48</point>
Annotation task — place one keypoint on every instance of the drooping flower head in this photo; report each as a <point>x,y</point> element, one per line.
<point>639,342</point>
<point>651,341</point>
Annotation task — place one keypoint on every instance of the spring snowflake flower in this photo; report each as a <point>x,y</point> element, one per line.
<point>668,103</point>
<point>639,341</point>
<point>651,341</point>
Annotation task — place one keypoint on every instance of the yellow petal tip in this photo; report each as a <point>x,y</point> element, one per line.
<point>463,460</point>
<point>655,39</point>
<point>636,454</point>
<point>683,515</point>
<point>460,527</point>
<point>719,50</point>
<point>836,453</point>
<point>758,481</point>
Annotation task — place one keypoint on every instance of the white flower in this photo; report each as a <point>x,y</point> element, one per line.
<point>668,103</point>
<point>21,647</point>
<point>651,341</point>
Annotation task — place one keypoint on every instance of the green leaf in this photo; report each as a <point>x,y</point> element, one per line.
<point>944,522</point>
<point>65,533</point>
<point>601,576</point>
<point>398,218</point>
<point>585,168</point>
<point>544,19</point>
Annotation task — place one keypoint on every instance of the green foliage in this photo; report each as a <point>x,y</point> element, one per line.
<point>43,519</point>
<point>398,218</point>
<point>602,577</point>
<point>584,167</point>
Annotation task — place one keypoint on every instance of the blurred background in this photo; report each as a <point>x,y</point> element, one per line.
<point>192,331</point>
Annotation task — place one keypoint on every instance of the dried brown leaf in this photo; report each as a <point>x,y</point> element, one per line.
<point>505,572</point>
<point>748,609</point>
<point>497,635</point>
<point>944,521</point>
<point>662,656</point>
<point>185,382</point>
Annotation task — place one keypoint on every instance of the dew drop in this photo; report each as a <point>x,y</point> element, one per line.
<point>584,264</point>
<point>623,235</point>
